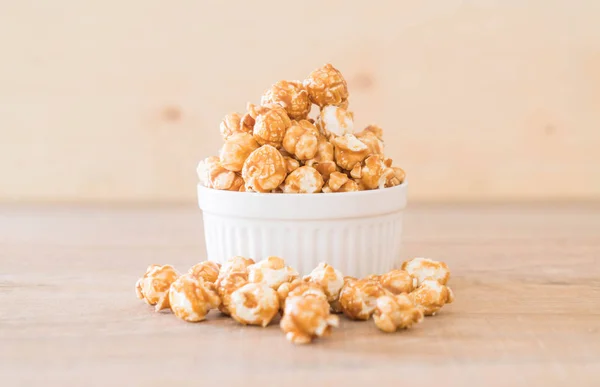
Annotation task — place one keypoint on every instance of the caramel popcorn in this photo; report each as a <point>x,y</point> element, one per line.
<point>373,129</point>
<point>212,174</point>
<point>232,124</point>
<point>236,150</point>
<point>270,126</point>
<point>431,295</point>
<point>235,264</point>
<point>226,285</point>
<point>327,86</point>
<point>397,282</point>
<point>301,140</point>
<point>370,139</point>
<point>271,271</point>
<point>254,304</point>
<point>358,298</point>
<point>336,121</point>
<point>349,151</point>
<point>396,312</point>
<point>291,95</point>
<point>305,318</point>
<point>325,168</point>
<point>291,164</point>
<point>299,288</point>
<point>207,270</point>
<point>303,180</point>
<point>398,178</point>
<point>264,170</point>
<point>424,268</point>
<point>153,287</point>
<point>374,173</point>
<point>191,298</point>
<point>330,279</point>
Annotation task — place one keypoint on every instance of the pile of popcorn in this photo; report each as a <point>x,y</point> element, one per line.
<point>276,147</point>
<point>254,293</point>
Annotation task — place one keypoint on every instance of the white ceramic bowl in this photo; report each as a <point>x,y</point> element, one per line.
<point>358,233</point>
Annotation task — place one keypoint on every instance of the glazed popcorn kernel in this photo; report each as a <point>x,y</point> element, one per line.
<point>191,298</point>
<point>336,121</point>
<point>299,288</point>
<point>271,271</point>
<point>349,151</point>
<point>301,140</point>
<point>207,270</point>
<point>236,150</point>
<point>264,170</point>
<point>325,168</point>
<point>213,175</point>
<point>424,268</point>
<point>271,125</point>
<point>396,312</point>
<point>398,178</point>
<point>254,304</point>
<point>237,264</point>
<point>291,164</point>
<point>228,284</point>
<point>305,318</point>
<point>372,142</point>
<point>303,180</point>
<point>330,279</point>
<point>397,281</point>
<point>326,86</point>
<point>153,287</point>
<point>374,173</point>
<point>231,124</point>
<point>291,95</point>
<point>431,296</point>
<point>373,129</point>
<point>358,298</point>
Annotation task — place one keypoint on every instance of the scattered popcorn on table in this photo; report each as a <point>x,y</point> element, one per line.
<point>191,298</point>
<point>396,312</point>
<point>326,86</point>
<point>153,287</point>
<point>331,280</point>
<point>424,268</point>
<point>305,318</point>
<point>397,281</point>
<point>264,170</point>
<point>254,304</point>
<point>303,180</point>
<point>291,95</point>
<point>358,298</point>
<point>207,270</point>
<point>271,271</point>
<point>299,288</point>
<point>228,284</point>
<point>431,295</point>
<point>235,264</point>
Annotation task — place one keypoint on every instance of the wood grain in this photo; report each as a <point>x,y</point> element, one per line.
<point>117,101</point>
<point>526,279</point>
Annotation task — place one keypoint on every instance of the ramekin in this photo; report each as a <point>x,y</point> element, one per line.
<point>358,233</point>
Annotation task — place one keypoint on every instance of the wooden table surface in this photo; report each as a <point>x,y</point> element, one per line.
<point>527,309</point>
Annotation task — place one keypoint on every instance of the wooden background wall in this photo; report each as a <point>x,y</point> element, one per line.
<point>118,100</point>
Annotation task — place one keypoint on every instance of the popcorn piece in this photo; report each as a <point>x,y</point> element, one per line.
<point>270,126</point>
<point>227,285</point>
<point>397,282</point>
<point>424,268</point>
<point>203,170</point>
<point>212,175</point>
<point>303,180</point>
<point>254,304</point>
<point>398,178</point>
<point>305,318</point>
<point>271,271</point>
<point>431,295</point>
<point>291,95</point>
<point>207,270</point>
<point>264,170</point>
<point>374,173</point>
<point>235,264</point>
<point>299,288</point>
<point>358,298</point>
<point>325,168</point>
<point>153,287</point>
<point>236,150</point>
<point>232,124</point>
<point>291,164</point>
<point>396,312</point>
<point>372,142</point>
<point>301,140</point>
<point>373,129</point>
<point>191,298</point>
<point>330,279</point>
<point>335,121</point>
<point>337,180</point>
<point>349,151</point>
<point>327,86</point>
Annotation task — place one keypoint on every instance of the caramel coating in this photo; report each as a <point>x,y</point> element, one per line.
<point>326,86</point>
<point>424,268</point>
<point>431,296</point>
<point>328,278</point>
<point>301,140</point>
<point>397,281</point>
<point>396,312</point>
<point>292,96</point>
<point>235,264</point>
<point>398,178</point>
<point>236,150</point>
<point>374,129</point>
<point>264,170</point>
<point>228,284</point>
<point>231,124</point>
<point>254,304</point>
<point>358,298</point>
<point>372,142</point>
<point>213,175</point>
<point>191,298</point>
<point>303,180</point>
<point>271,271</point>
<point>270,126</point>
<point>306,318</point>
<point>299,288</point>
<point>153,287</point>
<point>349,151</point>
<point>336,121</point>
<point>325,168</point>
<point>374,173</point>
<point>207,270</point>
